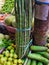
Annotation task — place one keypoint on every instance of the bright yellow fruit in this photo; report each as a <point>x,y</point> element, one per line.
<point>15,61</point>
<point>15,56</point>
<point>20,61</point>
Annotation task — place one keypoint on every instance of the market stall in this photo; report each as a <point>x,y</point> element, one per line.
<point>23,37</point>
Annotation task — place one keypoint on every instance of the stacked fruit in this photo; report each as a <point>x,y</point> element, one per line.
<point>9,57</point>
<point>38,55</point>
<point>10,21</point>
<point>4,41</point>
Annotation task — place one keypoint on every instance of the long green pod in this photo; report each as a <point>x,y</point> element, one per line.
<point>33,62</point>
<point>38,48</point>
<point>26,61</point>
<point>38,57</point>
<point>29,62</point>
<point>30,12</point>
<point>39,63</point>
<point>45,54</point>
<point>47,64</point>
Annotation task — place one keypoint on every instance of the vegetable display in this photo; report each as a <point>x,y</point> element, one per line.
<point>9,57</point>
<point>8,6</point>
<point>10,21</point>
<point>23,25</point>
<point>38,48</point>
<point>5,41</point>
<point>11,52</point>
<point>38,55</point>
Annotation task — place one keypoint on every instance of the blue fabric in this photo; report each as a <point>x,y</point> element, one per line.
<point>23,29</point>
<point>38,2</point>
